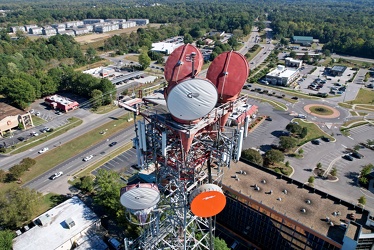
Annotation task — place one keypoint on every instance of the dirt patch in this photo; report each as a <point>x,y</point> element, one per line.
<point>333,113</point>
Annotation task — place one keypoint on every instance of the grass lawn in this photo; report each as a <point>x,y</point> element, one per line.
<point>357,122</point>
<point>320,110</point>
<point>281,168</point>
<point>34,141</point>
<point>364,96</point>
<point>314,132</point>
<point>37,120</point>
<point>132,58</point>
<point>253,54</point>
<point>105,109</point>
<point>94,65</point>
<point>50,159</point>
<point>345,105</point>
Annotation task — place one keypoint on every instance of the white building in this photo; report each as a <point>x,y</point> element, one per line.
<point>140,22</point>
<point>128,24</point>
<point>73,24</point>
<point>59,26</point>
<point>49,31</point>
<point>67,32</point>
<point>80,31</point>
<point>14,29</point>
<point>106,27</point>
<point>60,228</point>
<point>36,30</point>
<point>166,48</point>
<point>282,76</point>
<point>89,27</point>
<point>115,20</point>
<point>93,21</point>
<point>290,62</point>
<point>28,27</point>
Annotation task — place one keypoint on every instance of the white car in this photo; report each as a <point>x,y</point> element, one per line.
<point>34,133</point>
<point>56,175</point>
<point>38,113</point>
<point>43,150</point>
<point>32,111</point>
<point>87,158</point>
<point>301,116</point>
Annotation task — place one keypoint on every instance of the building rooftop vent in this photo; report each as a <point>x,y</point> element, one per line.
<point>70,223</point>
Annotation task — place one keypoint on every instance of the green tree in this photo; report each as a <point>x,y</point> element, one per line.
<point>20,92</point>
<point>220,244</point>
<point>293,54</point>
<point>260,25</point>
<point>366,170</point>
<point>287,142</point>
<point>187,39</point>
<point>294,128</point>
<point>86,184</point>
<point>362,200</point>
<point>96,99</point>
<point>334,172</point>
<point>272,156</point>
<point>6,239</point>
<point>2,175</point>
<point>252,156</point>
<point>301,151</point>
<point>90,53</point>
<point>319,165</point>
<point>107,193</point>
<point>18,205</point>
<point>144,59</point>
<point>311,179</point>
<point>304,132</point>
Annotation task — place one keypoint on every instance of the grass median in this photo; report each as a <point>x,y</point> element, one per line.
<point>59,154</point>
<point>314,132</point>
<point>276,105</point>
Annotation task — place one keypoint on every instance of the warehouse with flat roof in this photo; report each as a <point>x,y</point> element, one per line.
<point>303,40</point>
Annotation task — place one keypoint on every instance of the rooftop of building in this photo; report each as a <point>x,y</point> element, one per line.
<point>52,230</point>
<point>339,68</point>
<point>308,38</point>
<point>299,203</point>
<point>282,72</point>
<point>8,110</point>
<point>60,99</point>
<point>293,60</point>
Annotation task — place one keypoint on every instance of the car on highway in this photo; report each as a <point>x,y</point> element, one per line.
<point>113,144</point>
<point>56,175</point>
<point>87,158</point>
<point>316,142</point>
<point>348,157</point>
<point>43,150</point>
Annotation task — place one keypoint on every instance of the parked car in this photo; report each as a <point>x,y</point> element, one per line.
<point>56,175</point>
<point>114,243</point>
<point>43,150</point>
<point>32,111</point>
<point>348,157</point>
<point>326,139</point>
<point>34,133</point>
<point>269,119</point>
<point>38,113</point>
<point>357,155</point>
<point>87,158</point>
<point>21,138</point>
<point>316,142</point>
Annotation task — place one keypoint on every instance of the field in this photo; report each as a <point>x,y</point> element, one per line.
<point>92,38</point>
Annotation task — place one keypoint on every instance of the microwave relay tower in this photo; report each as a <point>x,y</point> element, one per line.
<point>183,145</point>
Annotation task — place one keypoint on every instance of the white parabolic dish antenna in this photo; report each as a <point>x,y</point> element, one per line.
<point>192,99</point>
<point>140,196</point>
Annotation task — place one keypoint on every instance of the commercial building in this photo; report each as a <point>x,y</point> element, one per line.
<point>67,32</point>
<point>282,76</point>
<point>36,30</point>
<point>290,62</point>
<point>80,31</point>
<point>67,225</point>
<point>303,40</point>
<point>11,117</point>
<point>140,22</point>
<point>268,209</point>
<point>337,70</point>
<point>28,27</point>
<point>61,103</point>
<point>73,24</point>
<point>14,29</point>
<point>166,48</point>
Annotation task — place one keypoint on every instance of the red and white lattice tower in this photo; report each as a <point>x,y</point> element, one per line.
<point>182,140</point>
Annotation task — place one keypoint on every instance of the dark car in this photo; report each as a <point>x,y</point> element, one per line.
<point>357,155</point>
<point>326,139</point>
<point>295,98</point>
<point>348,157</point>
<point>316,142</point>
<point>112,144</point>
<point>269,118</point>
<point>21,138</point>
